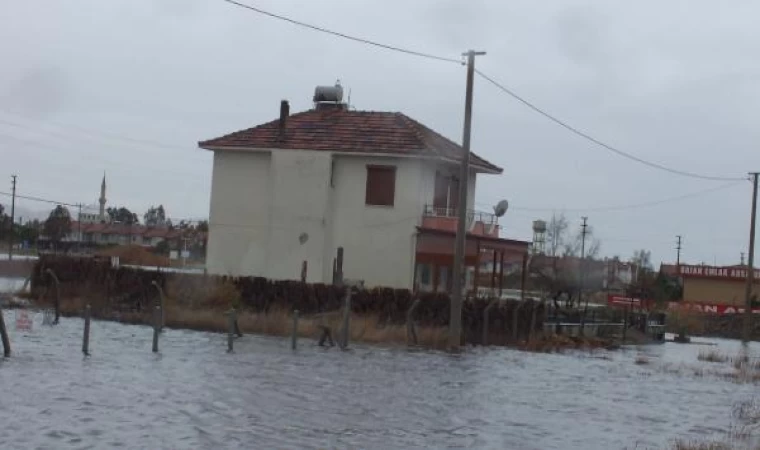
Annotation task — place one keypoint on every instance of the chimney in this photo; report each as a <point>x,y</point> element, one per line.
<point>284,113</point>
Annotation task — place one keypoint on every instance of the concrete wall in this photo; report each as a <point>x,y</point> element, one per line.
<point>379,241</point>
<point>239,215</point>
<point>262,202</point>
<point>300,191</point>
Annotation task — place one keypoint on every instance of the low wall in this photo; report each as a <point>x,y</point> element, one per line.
<point>131,289</point>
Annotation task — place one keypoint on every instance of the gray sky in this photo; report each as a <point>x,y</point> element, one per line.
<point>130,86</point>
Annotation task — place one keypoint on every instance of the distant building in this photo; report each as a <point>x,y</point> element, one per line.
<point>714,285</point>
<point>378,184</point>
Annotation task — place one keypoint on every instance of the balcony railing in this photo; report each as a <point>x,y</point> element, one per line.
<point>472,215</point>
<point>478,222</point>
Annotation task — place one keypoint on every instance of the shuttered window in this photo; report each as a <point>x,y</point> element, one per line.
<point>381,185</point>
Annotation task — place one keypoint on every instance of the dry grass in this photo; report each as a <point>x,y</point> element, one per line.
<point>367,329</point>
<point>693,445</point>
<point>712,355</point>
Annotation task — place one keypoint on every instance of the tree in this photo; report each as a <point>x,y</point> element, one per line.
<point>30,232</point>
<point>555,233</point>
<point>122,215</point>
<point>155,217</point>
<point>642,259</point>
<point>574,246</point>
<point>203,226</point>
<point>58,224</point>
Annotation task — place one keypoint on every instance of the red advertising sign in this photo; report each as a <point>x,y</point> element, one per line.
<point>726,273</point>
<point>635,303</point>
<point>707,308</point>
<point>711,308</point>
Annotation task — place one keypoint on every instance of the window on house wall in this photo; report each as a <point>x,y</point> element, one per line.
<point>381,185</point>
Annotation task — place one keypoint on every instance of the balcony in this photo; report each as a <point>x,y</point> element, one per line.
<point>445,219</point>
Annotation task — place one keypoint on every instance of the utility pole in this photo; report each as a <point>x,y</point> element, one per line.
<point>455,321</point>
<point>13,217</point>
<point>584,231</point>
<point>79,229</point>
<point>750,264</point>
<point>678,254</point>
<point>742,260</point>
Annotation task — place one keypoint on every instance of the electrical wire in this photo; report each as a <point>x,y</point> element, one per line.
<point>602,144</point>
<point>628,206</point>
<point>38,199</point>
<point>343,35</point>
<point>506,90</point>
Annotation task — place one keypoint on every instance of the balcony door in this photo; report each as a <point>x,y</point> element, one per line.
<point>446,196</point>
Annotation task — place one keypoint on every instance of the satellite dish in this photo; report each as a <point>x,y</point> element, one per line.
<point>501,208</point>
<point>303,237</point>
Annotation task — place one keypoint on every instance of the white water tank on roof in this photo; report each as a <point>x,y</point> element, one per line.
<point>328,94</point>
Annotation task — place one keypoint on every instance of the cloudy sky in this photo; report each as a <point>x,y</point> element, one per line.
<point>129,86</point>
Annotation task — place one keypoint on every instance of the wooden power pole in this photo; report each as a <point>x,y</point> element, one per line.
<point>455,320</point>
<point>750,264</point>
<point>13,217</point>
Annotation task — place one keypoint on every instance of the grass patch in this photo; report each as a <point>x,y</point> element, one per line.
<point>712,355</point>
<point>694,445</point>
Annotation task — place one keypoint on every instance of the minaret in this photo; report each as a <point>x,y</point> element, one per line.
<point>102,199</point>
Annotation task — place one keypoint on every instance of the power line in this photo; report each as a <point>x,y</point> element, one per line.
<point>495,83</point>
<point>38,199</point>
<point>343,35</point>
<point>600,143</point>
<point>631,206</point>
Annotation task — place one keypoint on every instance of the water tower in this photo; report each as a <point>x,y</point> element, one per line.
<point>539,237</point>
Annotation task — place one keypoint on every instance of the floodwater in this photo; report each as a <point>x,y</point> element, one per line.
<point>195,395</point>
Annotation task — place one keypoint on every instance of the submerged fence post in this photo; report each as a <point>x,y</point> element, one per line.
<point>156,320</point>
<point>411,328</point>
<point>231,320</point>
<point>486,314</point>
<point>86,337</point>
<point>346,320</point>
<point>294,334</point>
<point>162,304</point>
<point>4,335</point>
<point>57,296</point>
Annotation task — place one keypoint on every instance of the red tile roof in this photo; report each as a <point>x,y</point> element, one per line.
<point>123,229</point>
<point>350,131</point>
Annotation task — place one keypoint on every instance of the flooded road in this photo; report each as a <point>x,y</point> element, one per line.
<point>195,395</point>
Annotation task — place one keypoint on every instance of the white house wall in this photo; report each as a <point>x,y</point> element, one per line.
<point>239,215</point>
<point>299,205</point>
<point>263,202</point>
<point>378,241</point>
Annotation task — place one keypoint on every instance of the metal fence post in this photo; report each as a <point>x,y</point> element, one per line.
<point>86,337</point>
<point>294,334</point>
<point>162,304</point>
<point>411,329</point>
<point>230,329</point>
<point>4,335</point>
<point>156,320</point>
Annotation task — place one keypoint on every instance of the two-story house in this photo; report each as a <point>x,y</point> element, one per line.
<point>379,184</point>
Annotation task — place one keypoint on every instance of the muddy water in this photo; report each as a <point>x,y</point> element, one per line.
<point>195,395</point>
